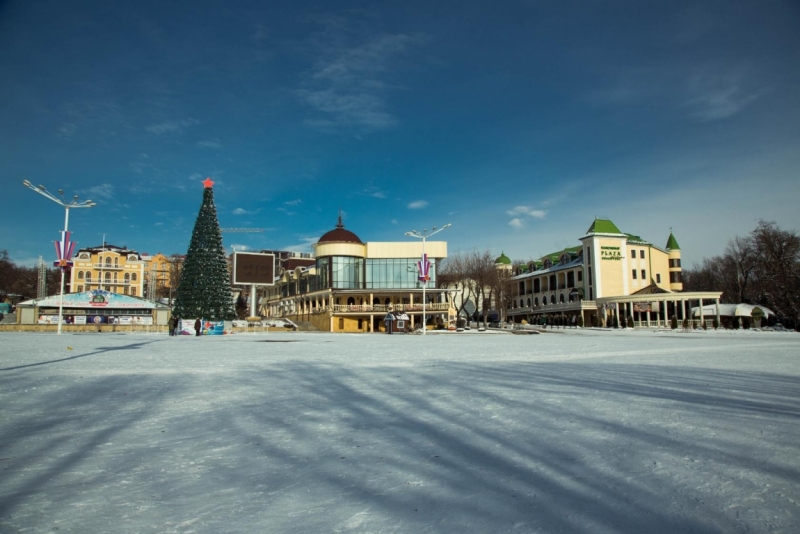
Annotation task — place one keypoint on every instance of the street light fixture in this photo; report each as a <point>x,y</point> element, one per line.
<point>67,205</point>
<point>423,273</point>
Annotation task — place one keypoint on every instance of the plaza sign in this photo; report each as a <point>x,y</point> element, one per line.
<point>610,253</point>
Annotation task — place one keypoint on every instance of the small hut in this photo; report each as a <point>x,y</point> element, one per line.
<point>395,321</point>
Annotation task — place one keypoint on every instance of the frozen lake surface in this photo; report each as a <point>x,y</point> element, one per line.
<point>585,431</point>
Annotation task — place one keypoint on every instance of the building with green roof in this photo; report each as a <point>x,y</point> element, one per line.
<point>607,264</point>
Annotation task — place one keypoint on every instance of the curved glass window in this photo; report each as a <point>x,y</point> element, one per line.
<point>80,275</point>
<point>346,272</point>
<point>396,273</point>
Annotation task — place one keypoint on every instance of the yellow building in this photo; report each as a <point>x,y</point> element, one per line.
<point>352,285</point>
<point>112,268</point>
<point>607,270</point>
<point>158,275</point>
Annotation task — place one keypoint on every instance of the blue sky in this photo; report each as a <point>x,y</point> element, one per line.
<point>517,122</point>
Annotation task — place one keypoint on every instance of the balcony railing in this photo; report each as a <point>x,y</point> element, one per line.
<point>360,308</point>
<point>107,267</point>
<point>574,305</point>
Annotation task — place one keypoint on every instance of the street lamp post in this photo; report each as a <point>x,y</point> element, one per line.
<point>423,275</point>
<point>67,205</point>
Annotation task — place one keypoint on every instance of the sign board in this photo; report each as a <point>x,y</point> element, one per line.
<point>253,268</point>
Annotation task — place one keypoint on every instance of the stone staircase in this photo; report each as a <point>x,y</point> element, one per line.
<point>305,326</point>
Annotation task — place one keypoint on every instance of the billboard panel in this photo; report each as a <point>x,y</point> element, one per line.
<point>253,268</point>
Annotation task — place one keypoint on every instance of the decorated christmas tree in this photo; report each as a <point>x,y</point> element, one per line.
<point>205,287</point>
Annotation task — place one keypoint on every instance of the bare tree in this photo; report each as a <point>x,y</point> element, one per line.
<point>740,261</point>
<point>778,276</point>
<point>480,265</point>
<point>6,274</point>
<point>20,280</point>
<point>452,273</point>
<point>762,268</point>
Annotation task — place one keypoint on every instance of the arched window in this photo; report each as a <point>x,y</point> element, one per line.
<point>116,262</point>
<point>80,275</point>
<point>529,302</point>
<point>561,298</point>
<point>544,300</point>
<point>133,277</point>
<point>351,301</point>
<point>88,276</point>
<point>536,301</point>
<point>108,262</point>
<point>108,277</point>
<point>127,277</point>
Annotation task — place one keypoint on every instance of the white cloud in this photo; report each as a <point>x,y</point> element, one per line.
<point>394,221</point>
<point>349,82</point>
<point>176,126</point>
<point>102,191</point>
<point>242,211</point>
<point>418,205</point>
<point>293,202</point>
<point>720,103</point>
<point>525,210</point>
<point>516,223</point>
<point>374,192</point>
<point>304,245</point>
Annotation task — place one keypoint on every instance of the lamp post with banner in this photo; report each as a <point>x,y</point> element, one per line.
<point>64,247</point>
<point>423,266</point>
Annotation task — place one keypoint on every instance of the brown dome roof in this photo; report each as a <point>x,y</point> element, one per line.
<point>339,235</point>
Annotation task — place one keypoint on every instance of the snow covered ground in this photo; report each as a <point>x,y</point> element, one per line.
<point>580,431</point>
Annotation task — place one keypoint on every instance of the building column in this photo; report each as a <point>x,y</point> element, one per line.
<point>616,310</point>
<point>702,315</point>
<point>716,303</point>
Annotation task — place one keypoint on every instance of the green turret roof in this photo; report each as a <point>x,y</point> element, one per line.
<point>505,260</point>
<point>603,226</point>
<point>672,243</point>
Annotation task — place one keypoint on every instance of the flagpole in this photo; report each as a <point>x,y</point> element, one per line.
<point>61,300</point>
<point>66,249</point>
<point>423,274</point>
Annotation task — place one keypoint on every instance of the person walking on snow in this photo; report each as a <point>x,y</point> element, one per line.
<point>197,326</point>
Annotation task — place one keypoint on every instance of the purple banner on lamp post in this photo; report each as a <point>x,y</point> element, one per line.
<point>424,266</point>
<point>64,249</point>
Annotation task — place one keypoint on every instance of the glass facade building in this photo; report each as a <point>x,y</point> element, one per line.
<point>345,272</point>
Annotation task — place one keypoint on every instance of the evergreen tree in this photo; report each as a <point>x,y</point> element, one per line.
<point>205,287</point>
